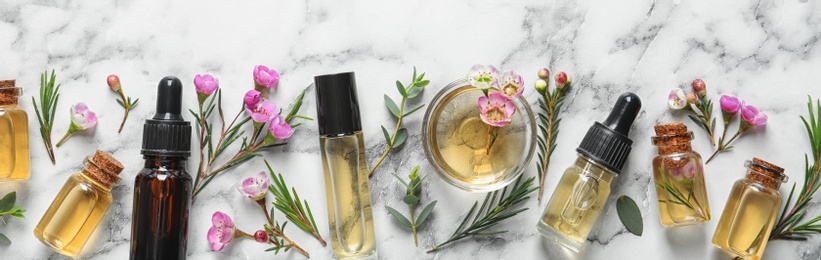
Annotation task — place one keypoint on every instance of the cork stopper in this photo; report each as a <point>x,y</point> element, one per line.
<point>766,173</point>
<point>672,138</point>
<point>9,93</point>
<point>104,169</point>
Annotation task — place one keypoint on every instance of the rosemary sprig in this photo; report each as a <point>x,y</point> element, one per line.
<point>679,197</point>
<point>292,207</point>
<point>549,121</point>
<point>7,207</point>
<point>400,134</point>
<point>492,212</point>
<point>229,134</point>
<point>414,190</point>
<point>49,96</point>
<point>788,226</point>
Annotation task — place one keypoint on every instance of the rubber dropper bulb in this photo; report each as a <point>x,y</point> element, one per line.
<point>624,113</point>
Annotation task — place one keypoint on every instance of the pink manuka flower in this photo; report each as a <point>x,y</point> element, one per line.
<point>729,104</point>
<point>699,87</point>
<point>265,77</point>
<point>205,85</point>
<point>495,109</point>
<point>562,80</point>
<point>222,231</point>
<point>751,115</point>
<point>482,76</point>
<point>280,129</point>
<point>82,118</point>
<point>677,100</point>
<point>510,85</point>
<point>263,112</point>
<point>255,187</point>
<point>252,98</point>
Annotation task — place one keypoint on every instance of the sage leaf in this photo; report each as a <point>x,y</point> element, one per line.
<point>4,240</point>
<point>424,215</point>
<point>387,135</point>
<point>401,136</point>
<point>392,106</point>
<point>398,216</point>
<point>401,89</point>
<point>8,201</point>
<point>411,199</point>
<point>630,215</point>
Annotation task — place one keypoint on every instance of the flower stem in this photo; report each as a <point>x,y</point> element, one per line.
<point>261,204</point>
<point>723,147</point>
<point>127,107</point>
<point>413,224</point>
<point>68,133</point>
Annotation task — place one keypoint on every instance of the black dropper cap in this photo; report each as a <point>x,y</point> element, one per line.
<point>337,106</point>
<point>167,133</point>
<point>607,143</point>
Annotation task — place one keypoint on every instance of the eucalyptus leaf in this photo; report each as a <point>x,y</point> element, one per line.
<point>392,106</point>
<point>8,201</point>
<point>413,92</point>
<point>425,213</point>
<point>401,136</point>
<point>4,240</point>
<point>398,216</point>
<point>410,199</point>
<point>401,89</point>
<point>630,215</point>
<point>387,135</point>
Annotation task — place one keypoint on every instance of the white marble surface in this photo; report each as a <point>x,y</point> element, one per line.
<point>767,52</point>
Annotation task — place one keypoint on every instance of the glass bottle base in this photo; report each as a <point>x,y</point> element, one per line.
<point>49,241</point>
<point>553,234</point>
<point>372,256</point>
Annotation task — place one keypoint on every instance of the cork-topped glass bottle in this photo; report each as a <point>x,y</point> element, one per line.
<point>679,175</point>
<point>14,136</point>
<point>751,210</point>
<point>80,205</point>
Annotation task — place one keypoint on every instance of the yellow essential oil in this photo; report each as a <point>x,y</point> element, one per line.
<point>80,205</point>
<point>14,136</point>
<point>751,211</point>
<point>679,177</point>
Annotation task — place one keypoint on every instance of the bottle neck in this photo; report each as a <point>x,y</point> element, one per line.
<point>766,174</point>
<point>170,162</point>
<point>594,169</point>
<point>100,176</point>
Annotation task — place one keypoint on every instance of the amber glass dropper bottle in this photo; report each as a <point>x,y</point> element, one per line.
<point>162,190</point>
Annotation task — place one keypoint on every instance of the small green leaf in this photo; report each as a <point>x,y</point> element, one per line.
<point>401,89</point>
<point>387,135</point>
<point>8,201</point>
<point>422,84</point>
<point>411,199</point>
<point>630,215</point>
<point>424,215</point>
<point>4,240</point>
<point>401,136</point>
<point>392,106</point>
<point>398,216</point>
<point>413,92</point>
<point>413,110</point>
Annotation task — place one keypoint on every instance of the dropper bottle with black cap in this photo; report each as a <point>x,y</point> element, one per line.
<point>162,190</point>
<point>583,190</point>
<point>346,172</point>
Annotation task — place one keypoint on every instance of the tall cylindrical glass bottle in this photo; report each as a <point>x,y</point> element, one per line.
<point>14,135</point>
<point>162,190</point>
<point>751,210</point>
<point>679,175</point>
<point>80,206</point>
<point>583,190</point>
<point>346,172</point>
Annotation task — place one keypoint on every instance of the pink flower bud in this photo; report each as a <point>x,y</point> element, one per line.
<point>752,116</point>
<point>252,98</point>
<point>692,98</point>
<point>280,129</point>
<point>261,236</point>
<point>562,80</point>
<point>265,77</point>
<point>699,87</point>
<point>544,73</point>
<point>114,82</point>
<point>729,104</point>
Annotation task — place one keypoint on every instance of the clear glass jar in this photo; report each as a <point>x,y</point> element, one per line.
<point>14,136</point>
<point>679,175</point>
<point>751,210</point>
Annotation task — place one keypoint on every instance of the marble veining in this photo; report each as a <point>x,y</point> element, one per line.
<point>766,52</point>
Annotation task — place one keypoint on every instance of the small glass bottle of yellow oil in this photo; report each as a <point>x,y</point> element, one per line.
<point>679,175</point>
<point>751,210</point>
<point>80,205</point>
<point>14,135</point>
<point>585,186</point>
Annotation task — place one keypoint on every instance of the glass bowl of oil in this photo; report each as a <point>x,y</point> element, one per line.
<point>456,140</point>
